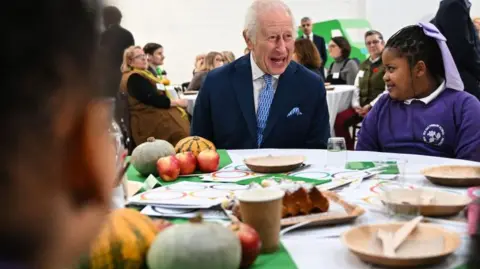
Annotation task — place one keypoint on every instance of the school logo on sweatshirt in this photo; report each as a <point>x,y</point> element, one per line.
<point>434,134</point>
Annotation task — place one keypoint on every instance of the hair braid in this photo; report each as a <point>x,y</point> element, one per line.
<point>411,43</point>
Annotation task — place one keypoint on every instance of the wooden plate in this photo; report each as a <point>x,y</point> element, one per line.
<point>453,175</point>
<point>190,92</point>
<point>274,164</point>
<point>361,241</point>
<point>330,88</point>
<point>430,202</point>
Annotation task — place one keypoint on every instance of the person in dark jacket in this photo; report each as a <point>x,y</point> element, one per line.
<point>306,25</point>
<point>454,22</point>
<point>113,42</point>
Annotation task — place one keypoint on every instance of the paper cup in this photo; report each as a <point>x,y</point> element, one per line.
<point>262,209</point>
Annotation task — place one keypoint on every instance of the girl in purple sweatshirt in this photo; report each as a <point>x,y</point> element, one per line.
<point>427,111</point>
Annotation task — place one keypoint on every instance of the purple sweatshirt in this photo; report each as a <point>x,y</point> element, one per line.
<point>448,126</point>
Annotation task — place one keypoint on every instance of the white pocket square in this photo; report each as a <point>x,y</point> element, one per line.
<point>295,111</point>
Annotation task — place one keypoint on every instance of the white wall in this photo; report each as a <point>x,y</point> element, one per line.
<point>189,27</point>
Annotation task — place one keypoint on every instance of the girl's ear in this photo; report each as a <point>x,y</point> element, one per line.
<point>420,69</point>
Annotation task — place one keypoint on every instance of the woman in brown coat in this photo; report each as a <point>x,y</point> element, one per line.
<point>152,111</point>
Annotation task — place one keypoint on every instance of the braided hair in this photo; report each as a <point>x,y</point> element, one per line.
<point>410,42</point>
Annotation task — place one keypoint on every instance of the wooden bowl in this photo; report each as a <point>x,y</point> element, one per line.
<point>453,175</point>
<point>360,241</point>
<point>274,164</point>
<point>330,88</point>
<point>430,202</point>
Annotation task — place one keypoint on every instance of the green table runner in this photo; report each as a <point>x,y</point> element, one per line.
<point>279,259</point>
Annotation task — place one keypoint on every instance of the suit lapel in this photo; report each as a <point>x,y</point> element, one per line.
<point>243,85</point>
<point>284,95</point>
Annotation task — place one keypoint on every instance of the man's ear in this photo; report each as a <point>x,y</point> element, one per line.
<point>91,158</point>
<point>248,41</point>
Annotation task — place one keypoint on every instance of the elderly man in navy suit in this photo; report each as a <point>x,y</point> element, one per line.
<point>264,99</point>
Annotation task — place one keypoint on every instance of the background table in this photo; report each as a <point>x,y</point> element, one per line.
<point>338,100</point>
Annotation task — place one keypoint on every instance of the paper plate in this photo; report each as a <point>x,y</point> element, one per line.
<point>453,175</point>
<point>428,244</point>
<point>274,164</point>
<point>430,202</point>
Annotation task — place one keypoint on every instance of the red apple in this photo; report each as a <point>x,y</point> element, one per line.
<point>250,241</point>
<point>168,168</point>
<point>188,162</point>
<point>208,161</point>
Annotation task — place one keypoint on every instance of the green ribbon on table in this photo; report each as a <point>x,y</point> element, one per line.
<point>392,168</point>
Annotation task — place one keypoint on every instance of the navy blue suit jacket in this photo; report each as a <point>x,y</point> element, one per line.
<point>224,110</point>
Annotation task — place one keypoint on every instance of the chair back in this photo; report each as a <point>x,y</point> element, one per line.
<point>122,116</point>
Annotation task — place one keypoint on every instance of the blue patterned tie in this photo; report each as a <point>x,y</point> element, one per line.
<point>264,101</point>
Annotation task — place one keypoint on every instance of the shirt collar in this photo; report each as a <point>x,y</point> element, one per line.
<point>374,60</point>
<point>256,71</point>
<point>429,98</point>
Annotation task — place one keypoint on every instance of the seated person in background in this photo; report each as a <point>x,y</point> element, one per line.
<point>343,70</point>
<point>155,58</point>
<point>58,165</point>
<point>199,60</point>
<point>476,23</point>
<point>228,57</point>
<point>263,99</point>
<point>212,60</point>
<point>369,86</point>
<point>152,111</point>
<point>427,111</point>
<point>307,55</point>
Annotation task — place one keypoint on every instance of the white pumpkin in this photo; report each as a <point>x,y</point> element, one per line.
<point>145,156</point>
<point>200,245</point>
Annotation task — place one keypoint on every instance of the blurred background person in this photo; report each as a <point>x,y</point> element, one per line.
<point>58,168</point>
<point>155,58</point>
<point>199,60</point>
<point>212,60</point>
<point>113,41</point>
<point>228,57</point>
<point>476,23</point>
<point>454,22</point>
<point>343,70</point>
<point>306,54</point>
<point>306,26</point>
<point>369,86</point>
<point>153,113</point>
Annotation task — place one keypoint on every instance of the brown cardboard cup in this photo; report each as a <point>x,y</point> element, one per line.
<point>262,209</point>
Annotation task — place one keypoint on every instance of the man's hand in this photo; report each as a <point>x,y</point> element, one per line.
<point>364,110</point>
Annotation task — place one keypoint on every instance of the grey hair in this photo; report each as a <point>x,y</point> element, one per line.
<point>305,19</point>
<point>258,7</point>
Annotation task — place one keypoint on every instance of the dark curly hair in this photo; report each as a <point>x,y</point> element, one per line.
<point>410,42</point>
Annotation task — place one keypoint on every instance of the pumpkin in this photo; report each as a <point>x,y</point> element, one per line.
<point>122,243</point>
<point>145,156</point>
<point>198,244</point>
<point>195,144</point>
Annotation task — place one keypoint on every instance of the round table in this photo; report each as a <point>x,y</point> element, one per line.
<point>321,247</point>
<point>338,100</point>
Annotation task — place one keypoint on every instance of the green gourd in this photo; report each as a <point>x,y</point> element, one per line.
<point>199,245</point>
<point>145,156</point>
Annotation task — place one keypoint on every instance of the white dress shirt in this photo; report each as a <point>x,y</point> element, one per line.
<point>259,82</point>
<point>310,36</point>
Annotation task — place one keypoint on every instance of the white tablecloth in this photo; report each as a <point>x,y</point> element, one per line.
<point>321,247</point>
<point>338,100</point>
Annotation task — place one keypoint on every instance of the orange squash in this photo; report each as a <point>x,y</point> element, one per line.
<point>195,144</point>
<point>123,242</point>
